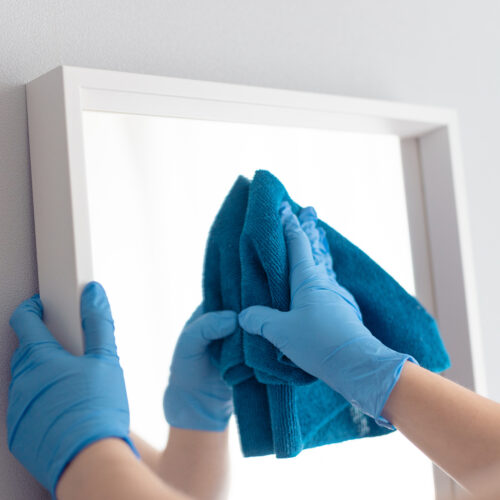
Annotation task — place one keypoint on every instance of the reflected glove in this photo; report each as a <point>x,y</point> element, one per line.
<point>323,332</point>
<point>59,403</point>
<point>196,396</point>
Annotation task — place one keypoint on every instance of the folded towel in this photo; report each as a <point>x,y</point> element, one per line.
<point>281,409</point>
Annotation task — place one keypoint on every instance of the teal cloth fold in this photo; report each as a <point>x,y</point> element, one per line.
<point>280,409</point>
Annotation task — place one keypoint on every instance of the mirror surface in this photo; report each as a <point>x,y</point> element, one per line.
<point>155,185</point>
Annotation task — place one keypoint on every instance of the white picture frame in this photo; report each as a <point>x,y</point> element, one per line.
<point>433,171</point>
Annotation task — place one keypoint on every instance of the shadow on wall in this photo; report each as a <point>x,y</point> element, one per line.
<point>18,269</point>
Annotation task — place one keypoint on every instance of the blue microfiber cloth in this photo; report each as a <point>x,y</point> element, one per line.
<point>281,409</point>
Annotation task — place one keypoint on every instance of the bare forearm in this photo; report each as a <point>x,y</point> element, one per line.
<point>196,462</point>
<point>456,428</point>
<point>107,470</point>
<point>149,455</point>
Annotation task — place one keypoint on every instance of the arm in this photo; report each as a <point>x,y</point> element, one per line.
<point>196,462</point>
<point>456,428</point>
<point>108,469</point>
<point>68,415</point>
<point>149,454</point>
<point>197,404</point>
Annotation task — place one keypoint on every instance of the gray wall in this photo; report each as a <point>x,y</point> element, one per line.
<point>433,52</point>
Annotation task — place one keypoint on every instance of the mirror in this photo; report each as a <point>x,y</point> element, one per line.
<point>155,185</point>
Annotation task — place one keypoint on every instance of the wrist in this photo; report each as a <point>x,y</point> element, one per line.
<point>193,444</point>
<point>198,411</point>
<point>195,441</point>
<point>196,462</point>
<point>396,399</point>
<point>381,418</point>
<point>364,371</point>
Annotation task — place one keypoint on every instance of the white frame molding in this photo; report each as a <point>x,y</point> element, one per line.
<point>434,179</point>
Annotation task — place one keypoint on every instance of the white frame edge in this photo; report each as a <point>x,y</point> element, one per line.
<point>434,177</point>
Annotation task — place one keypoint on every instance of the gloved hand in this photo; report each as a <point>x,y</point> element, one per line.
<point>323,332</point>
<point>59,403</point>
<point>196,396</point>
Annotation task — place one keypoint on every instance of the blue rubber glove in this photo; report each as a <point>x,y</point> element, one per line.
<point>196,396</point>
<point>59,403</point>
<point>323,332</point>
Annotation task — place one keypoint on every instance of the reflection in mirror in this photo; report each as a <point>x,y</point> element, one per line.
<point>156,183</point>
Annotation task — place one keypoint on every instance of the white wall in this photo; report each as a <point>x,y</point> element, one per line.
<point>435,52</point>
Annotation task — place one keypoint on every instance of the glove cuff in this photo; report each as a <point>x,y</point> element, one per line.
<point>379,419</point>
<point>369,372</point>
<point>200,411</point>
